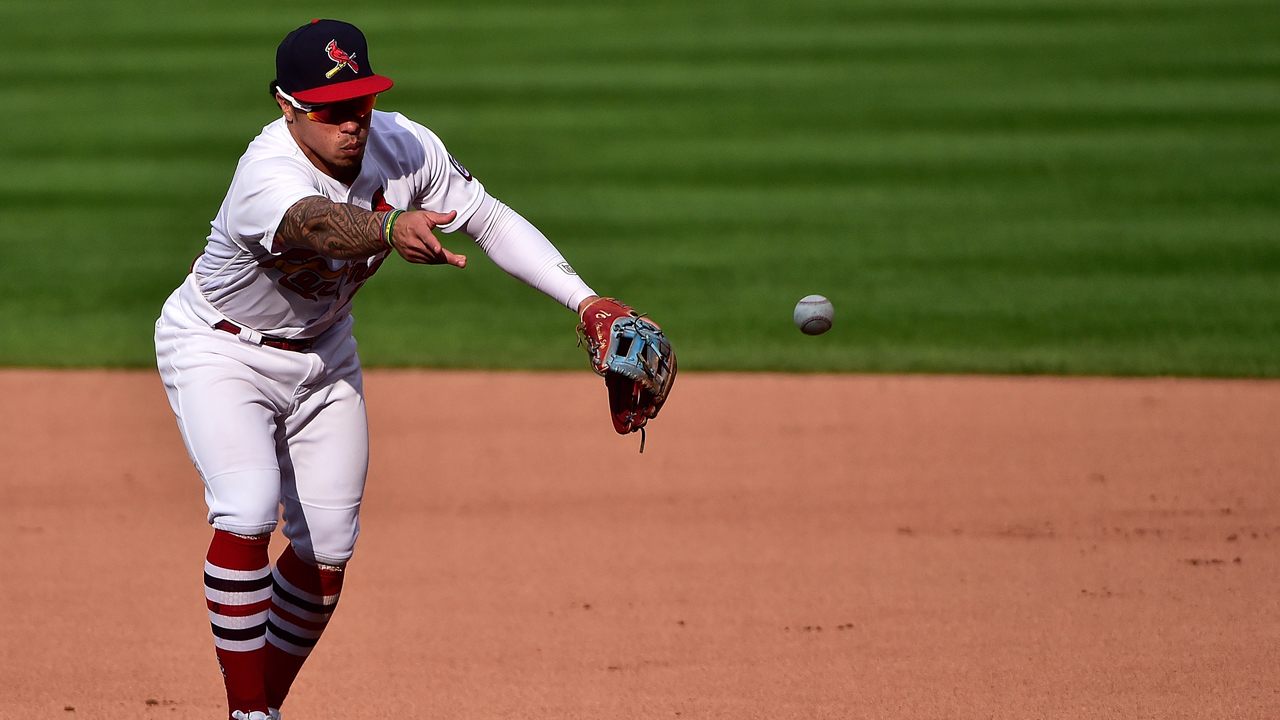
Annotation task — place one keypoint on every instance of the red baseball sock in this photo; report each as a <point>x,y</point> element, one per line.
<point>303,597</point>
<point>237,586</point>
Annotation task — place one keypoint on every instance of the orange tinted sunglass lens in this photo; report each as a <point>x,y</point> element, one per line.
<point>346,110</point>
<point>363,105</point>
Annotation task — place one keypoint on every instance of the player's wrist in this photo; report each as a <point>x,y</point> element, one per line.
<point>389,226</point>
<point>586,303</point>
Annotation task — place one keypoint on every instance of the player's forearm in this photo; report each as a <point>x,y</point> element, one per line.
<point>521,250</point>
<point>335,230</point>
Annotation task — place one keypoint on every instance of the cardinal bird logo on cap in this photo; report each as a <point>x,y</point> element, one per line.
<point>337,55</point>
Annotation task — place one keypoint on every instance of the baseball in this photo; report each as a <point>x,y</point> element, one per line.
<point>814,314</point>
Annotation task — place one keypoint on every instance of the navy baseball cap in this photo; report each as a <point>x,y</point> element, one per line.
<point>326,61</point>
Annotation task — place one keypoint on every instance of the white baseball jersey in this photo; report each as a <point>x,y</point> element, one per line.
<point>294,292</point>
<point>230,394</point>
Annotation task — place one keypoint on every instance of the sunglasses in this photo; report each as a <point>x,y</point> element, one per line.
<point>335,113</point>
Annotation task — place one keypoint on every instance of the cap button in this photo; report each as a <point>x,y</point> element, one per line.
<point>313,22</point>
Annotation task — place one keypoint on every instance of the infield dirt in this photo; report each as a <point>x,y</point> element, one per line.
<point>786,547</point>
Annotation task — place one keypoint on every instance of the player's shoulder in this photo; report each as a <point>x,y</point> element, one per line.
<point>273,160</point>
<point>274,142</point>
<point>395,137</point>
<point>274,145</point>
<point>394,126</point>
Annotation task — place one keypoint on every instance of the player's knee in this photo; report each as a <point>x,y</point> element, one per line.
<point>244,502</point>
<point>322,536</point>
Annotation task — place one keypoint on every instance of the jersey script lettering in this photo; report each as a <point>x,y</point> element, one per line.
<point>308,274</point>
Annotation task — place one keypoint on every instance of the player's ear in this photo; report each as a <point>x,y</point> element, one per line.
<point>285,108</point>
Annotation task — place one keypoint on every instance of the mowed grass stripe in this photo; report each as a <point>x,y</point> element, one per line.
<point>1066,187</point>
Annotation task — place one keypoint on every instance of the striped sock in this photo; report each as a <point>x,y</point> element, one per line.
<point>303,597</point>
<point>237,586</point>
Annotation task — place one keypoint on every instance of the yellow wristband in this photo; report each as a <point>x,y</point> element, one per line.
<point>388,225</point>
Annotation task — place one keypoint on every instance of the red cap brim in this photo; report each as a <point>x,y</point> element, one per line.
<point>338,92</point>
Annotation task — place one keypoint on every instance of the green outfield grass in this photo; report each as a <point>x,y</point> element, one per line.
<point>979,185</point>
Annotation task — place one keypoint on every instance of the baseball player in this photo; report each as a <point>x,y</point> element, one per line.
<point>258,360</point>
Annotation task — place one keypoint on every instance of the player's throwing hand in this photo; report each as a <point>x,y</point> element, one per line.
<point>411,236</point>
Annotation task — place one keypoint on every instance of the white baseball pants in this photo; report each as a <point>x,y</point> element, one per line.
<point>269,428</point>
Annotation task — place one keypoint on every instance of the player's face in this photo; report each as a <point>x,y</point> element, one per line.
<point>334,137</point>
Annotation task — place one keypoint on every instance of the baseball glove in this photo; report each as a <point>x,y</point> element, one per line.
<point>635,359</point>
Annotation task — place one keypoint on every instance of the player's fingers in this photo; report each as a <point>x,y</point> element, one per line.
<point>440,255</point>
<point>440,218</point>
<point>433,253</point>
<point>431,244</point>
<point>458,261</point>
<point>416,250</point>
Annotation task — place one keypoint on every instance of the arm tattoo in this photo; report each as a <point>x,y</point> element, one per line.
<point>336,230</point>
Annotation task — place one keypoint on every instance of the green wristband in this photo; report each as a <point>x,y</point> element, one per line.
<point>388,224</point>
